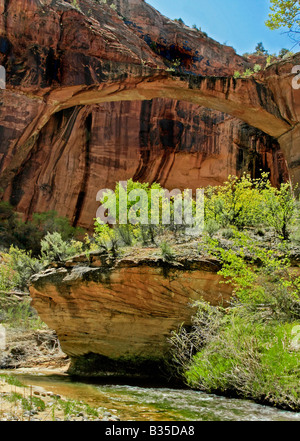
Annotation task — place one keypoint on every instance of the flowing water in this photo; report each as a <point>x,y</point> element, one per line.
<point>138,401</point>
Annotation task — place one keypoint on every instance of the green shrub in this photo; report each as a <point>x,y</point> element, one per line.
<point>28,235</point>
<point>280,208</point>
<point>211,227</point>
<point>24,266</point>
<point>50,222</point>
<point>257,68</point>
<point>188,341</point>
<point>76,5</point>
<point>228,233</point>
<point>179,20</point>
<point>166,251</point>
<point>106,238</point>
<point>8,277</point>
<point>248,72</point>
<point>245,202</point>
<point>13,231</point>
<point>55,249</point>
<point>13,397</point>
<point>38,403</point>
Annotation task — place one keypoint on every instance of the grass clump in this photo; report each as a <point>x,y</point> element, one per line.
<point>12,380</point>
<point>166,251</point>
<point>250,360</point>
<point>73,407</point>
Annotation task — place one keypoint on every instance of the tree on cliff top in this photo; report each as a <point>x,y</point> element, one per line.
<point>260,50</point>
<point>285,14</point>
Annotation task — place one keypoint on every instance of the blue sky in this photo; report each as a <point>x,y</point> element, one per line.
<point>238,23</point>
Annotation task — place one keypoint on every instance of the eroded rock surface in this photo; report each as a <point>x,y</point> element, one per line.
<point>124,310</point>
<point>84,149</point>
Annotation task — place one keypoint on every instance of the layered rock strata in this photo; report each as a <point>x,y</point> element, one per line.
<point>123,311</point>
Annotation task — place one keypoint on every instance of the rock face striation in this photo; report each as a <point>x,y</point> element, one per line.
<point>121,312</point>
<point>97,94</point>
<point>82,150</point>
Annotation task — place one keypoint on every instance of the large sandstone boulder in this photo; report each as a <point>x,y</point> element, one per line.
<point>122,312</point>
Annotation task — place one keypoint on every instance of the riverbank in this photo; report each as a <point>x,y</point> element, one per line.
<point>38,351</point>
<point>20,402</point>
<point>27,342</point>
<point>30,346</point>
<point>137,400</point>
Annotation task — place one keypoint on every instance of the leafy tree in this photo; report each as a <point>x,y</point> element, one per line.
<point>260,50</point>
<point>245,202</point>
<point>22,266</point>
<point>285,14</point>
<point>141,220</point>
<point>28,235</point>
<point>106,238</point>
<point>238,202</point>
<point>50,222</point>
<point>283,52</point>
<point>137,212</point>
<point>280,208</point>
<point>260,276</point>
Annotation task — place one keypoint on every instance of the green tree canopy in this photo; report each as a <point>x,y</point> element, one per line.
<point>285,14</point>
<point>260,50</point>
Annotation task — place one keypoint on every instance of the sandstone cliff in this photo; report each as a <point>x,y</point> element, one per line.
<point>122,312</point>
<point>84,149</point>
<point>61,140</point>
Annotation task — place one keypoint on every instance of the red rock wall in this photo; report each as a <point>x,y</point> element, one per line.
<point>45,45</point>
<point>82,150</point>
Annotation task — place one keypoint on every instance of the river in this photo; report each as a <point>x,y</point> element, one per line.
<point>133,400</point>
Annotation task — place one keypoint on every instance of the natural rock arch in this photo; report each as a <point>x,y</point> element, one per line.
<point>245,99</point>
<point>92,54</point>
